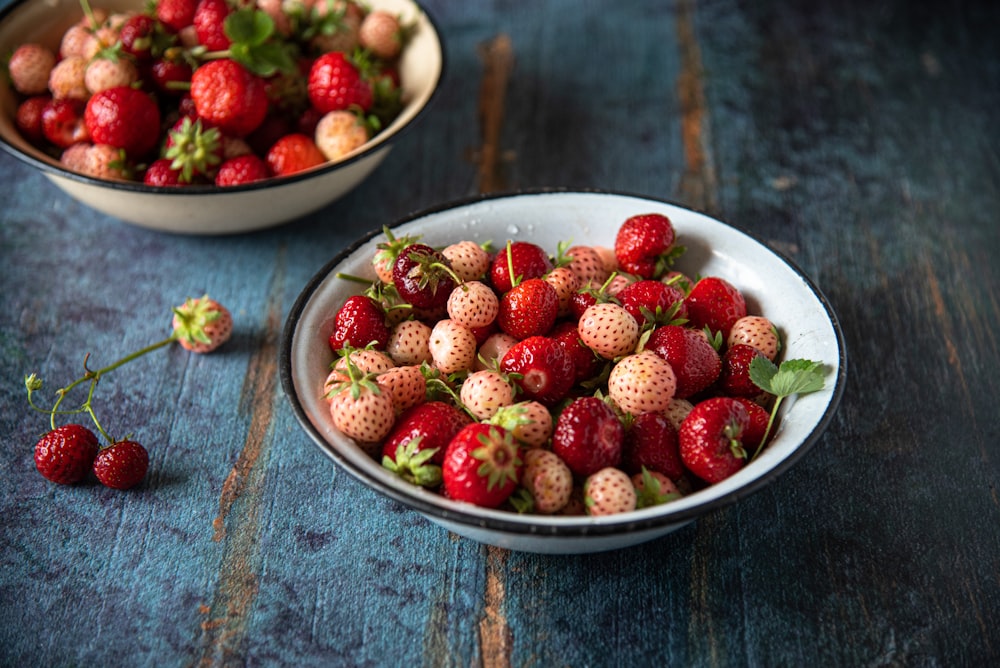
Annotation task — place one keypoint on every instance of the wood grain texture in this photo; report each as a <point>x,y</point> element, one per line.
<point>858,138</point>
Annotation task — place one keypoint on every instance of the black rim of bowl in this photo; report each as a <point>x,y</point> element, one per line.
<point>582,529</point>
<point>378,142</point>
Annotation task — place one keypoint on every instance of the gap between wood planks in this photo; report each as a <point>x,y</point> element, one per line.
<point>698,188</point>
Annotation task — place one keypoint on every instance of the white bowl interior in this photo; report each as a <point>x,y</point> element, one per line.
<point>210,210</point>
<point>771,285</point>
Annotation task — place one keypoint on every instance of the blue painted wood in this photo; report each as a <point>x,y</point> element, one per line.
<point>859,138</point>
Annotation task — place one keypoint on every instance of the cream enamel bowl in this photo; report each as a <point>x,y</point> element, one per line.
<point>772,285</point>
<point>208,209</point>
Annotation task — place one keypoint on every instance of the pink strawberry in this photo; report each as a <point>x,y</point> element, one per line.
<point>756,331</point>
<point>482,465</point>
<point>695,362</point>
<point>121,465</point>
<point>29,68</point>
<point>652,488</point>
<point>65,454</point>
<point>715,303</point>
<point>542,368</point>
<point>608,330</point>
<point>409,343</point>
<point>485,392</point>
<point>430,426</point>
<point>361,410</point>
<point>710,438</point>
<point>452,347</point>
<point>493,348</point>
<point>473,304</point>
<point>588,436</point>
<point>641,383</point>
<point>643,245</point>
<point>381,34</point>
<point>202,325</point>
<point>360,321</point>
<point>468,260</point>
<point>609,491</point>
<point>110,72</point>
<point>387,252</point>
<point>407,386</point>
<point>528,260</point>
<point>587,264</point>
<point>529,421</point>
<point>338,133</point>
<point>528,309</point>
<point>566,284</point>
<point>547,479</point>
<point>651,442</point>
<point>67,80</point>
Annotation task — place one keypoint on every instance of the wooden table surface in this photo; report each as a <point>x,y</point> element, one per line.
<point>860,138</point>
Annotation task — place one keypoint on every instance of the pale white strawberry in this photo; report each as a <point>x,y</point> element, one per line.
<point>758,332</point>
<point>104,161</point>
<point>617,284</point>
<point>74,158</point>
<point>485,392</point>
<point>452,346</point>
<point>566,283</point>
<point>362,412</point>
<point>608,330</point>
<point>105,36</point>
<point>642,383</point>
<point>67,80</point>
<point>202,325</point>
<point>338,133</point>
<point>104,73</point>
<point>387,252</point>
<point>345,37</point>
<point>367,360</point>
<point>608,258</point>
<point>29,68</point>
<point>405,384</point>
<point>587,264</point>
<point>530,422</point>
<point>548,479</point>
<point>76,41</point>
<point>468,260</point>
<point>409,343</point>
<point>473,304</point>
<point>380,33</point>
<point>609,491</point>
<point>677,411</point>
<point>652,488</point>
<point>493,349</point>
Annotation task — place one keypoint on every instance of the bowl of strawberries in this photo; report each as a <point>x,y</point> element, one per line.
<point>208,116</point>
<point>563,372</point>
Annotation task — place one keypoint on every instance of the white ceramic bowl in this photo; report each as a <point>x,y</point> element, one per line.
<point>208,209</point>
<point>772,285</point>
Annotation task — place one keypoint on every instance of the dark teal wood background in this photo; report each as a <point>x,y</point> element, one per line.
<point>860,138</point>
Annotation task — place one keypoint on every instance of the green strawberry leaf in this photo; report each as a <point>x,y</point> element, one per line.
<point>248,26</point>
<point>250,31</point>
<point>797,376</point>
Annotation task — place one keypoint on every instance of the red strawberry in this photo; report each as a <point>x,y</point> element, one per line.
<point>166,72</point>
<point>121,465</point>
<point>608,491</point>
<point>588,436</point>
<point>422,277</point>
<point>641,383</point>
<point>137,36</point>
<point>527,259</point>
<point>710,437</point>
<point>586,363</point>
<point>482,465</point>
<point>335,83</point>
<point>125,118</point>
<point>734,379</point>
<point>544,369</point>
<point>651,442</point>
<point>176,14</point>
<point>643,245</point>
<point>229,96</point>
<point>528,309</point>
<point>63,123</point>
<point>433,424</point>
<point>161,173</point>
<point>358,323</point>
<point>753,437</point>
<point>650,301</point>
<point>293,153</point>
<point>28,118</point>
<point>202,325</point>
<point>209,24</point>
<point>241,170</point>
<point>65,454</point>
<point>695,362</point>
<point>715,303</point>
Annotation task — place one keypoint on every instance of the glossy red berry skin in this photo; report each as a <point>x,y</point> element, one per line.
<point>65,454</point>
<point>122,465</point>
<point>336,84</point>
